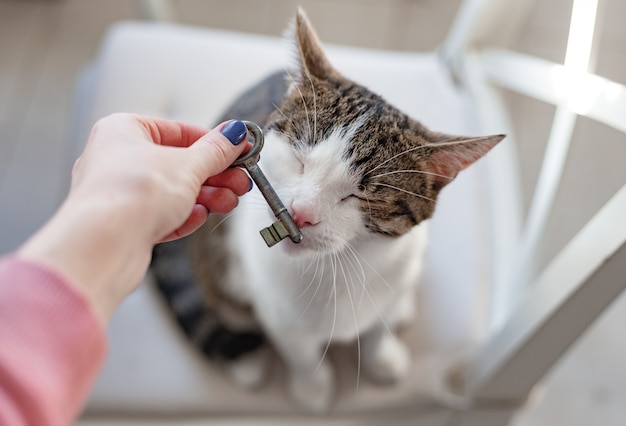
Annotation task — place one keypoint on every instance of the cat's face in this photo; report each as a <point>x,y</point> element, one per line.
<point>318,187</point>
<point>347,164</point>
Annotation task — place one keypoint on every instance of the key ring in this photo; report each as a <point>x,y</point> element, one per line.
<point>285,225</point>
<point>257,133</point>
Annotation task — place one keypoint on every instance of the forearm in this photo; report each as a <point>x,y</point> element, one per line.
<point>90,243</point>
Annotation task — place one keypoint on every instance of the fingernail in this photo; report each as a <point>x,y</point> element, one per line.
<point>251,185</point>
<point>235,131</point>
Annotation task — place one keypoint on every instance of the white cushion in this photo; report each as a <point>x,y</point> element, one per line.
<point>192,74</point>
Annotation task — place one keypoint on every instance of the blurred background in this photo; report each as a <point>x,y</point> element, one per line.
<point>44,44</point>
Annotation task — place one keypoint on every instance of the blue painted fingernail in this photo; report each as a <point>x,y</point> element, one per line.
<point>251,185</point>
<point>235,131</point>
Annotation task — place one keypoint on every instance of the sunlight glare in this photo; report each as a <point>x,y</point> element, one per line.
<point>582,92</point>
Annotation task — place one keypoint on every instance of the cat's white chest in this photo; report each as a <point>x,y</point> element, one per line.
<point>330,296</point>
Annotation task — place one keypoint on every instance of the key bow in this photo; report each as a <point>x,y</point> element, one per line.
<point>285,225</point>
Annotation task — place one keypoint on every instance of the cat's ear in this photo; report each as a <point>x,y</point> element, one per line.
<point>312,60</point>
<point>453,154</point>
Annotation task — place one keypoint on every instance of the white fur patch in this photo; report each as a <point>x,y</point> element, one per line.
<point>317,179</point>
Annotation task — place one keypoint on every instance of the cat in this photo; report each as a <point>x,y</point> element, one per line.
<point>360,179</point>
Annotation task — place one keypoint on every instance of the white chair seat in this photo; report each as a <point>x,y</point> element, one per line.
<point>193,74</point>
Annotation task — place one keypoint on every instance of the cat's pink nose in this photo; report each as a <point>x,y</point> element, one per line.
<point>304,217</point>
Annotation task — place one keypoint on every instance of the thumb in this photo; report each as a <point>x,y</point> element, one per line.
<point>218,149</point>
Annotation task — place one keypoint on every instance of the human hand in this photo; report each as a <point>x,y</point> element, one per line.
<point>139,181</point>
<point>137,163</point>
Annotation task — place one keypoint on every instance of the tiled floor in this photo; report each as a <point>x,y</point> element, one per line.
<point>45,43</point>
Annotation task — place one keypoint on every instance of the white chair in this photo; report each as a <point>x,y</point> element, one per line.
<point>481,261</point>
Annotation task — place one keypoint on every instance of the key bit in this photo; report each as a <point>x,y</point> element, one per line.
<point>274,233</point>
<point>285,225</point>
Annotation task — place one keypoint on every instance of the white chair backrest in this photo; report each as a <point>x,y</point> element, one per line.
<point>531,308</point>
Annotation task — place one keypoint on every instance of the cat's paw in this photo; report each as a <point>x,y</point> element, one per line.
<point>251,370</point>
<point>314,393</point>
<point>447,382</point>
<point>441,379</point>
<point>388,361</point>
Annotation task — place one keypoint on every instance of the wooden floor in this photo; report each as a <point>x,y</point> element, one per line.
<point>44,44</point>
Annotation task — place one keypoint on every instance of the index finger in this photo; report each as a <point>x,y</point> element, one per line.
<point>171,132</point>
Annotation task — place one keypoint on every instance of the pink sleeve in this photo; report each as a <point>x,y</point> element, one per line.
<point>51,346</point>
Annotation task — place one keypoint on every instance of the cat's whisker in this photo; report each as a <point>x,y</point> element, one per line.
<point>314,108</point>
<point>306,111</point>
<point>471,179</point>
<point>316,260</point>
<point>404,190</point>
<point>228,216</point>
<point>332,330</point>
<point>334,278</point>
<point>378,311</point>
<point>288,119</point>
<point>412,171</point>
<point>361,270</point>
<point>288,136</point>
<point>310,265</point>
<point>356,322</point>
<point>358,269</point>
<point>415,148</point>
<point>346,255</point>
<point>369,207</point>
<point>307,115</point>
<point>426,145</point>
<point>384,281</point>
<point>345,258</point>
<point>319,285</point>
<point>258,202</point>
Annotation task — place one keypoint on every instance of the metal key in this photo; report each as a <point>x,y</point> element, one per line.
<point>285,225</point>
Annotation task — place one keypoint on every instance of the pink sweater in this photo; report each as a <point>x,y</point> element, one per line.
<point>51,346</point>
